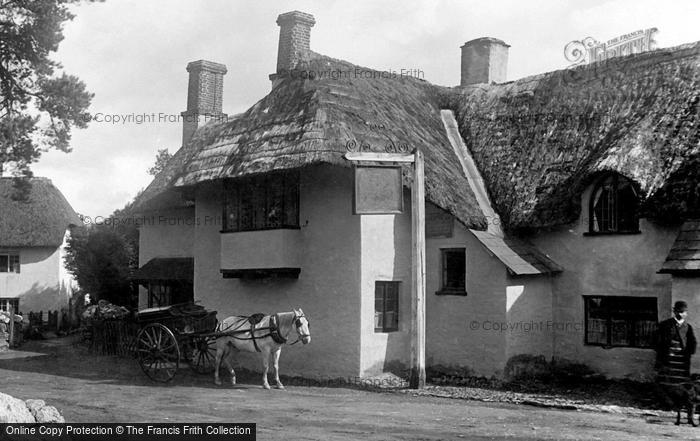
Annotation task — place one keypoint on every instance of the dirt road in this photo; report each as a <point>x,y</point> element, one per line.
<point>89,388</point>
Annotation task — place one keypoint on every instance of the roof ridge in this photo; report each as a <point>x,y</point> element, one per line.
<point>678,51</point>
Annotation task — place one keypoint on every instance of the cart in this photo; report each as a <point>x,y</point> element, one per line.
<point>171,334</point>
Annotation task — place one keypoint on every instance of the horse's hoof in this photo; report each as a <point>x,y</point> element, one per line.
<point>279,386</point>
<point>266,386</point>
<point>233,381</point>
<point>677,423</point>
<point>217,382</point>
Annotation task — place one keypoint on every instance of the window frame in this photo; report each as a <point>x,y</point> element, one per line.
<point>175,291</point>
<point>381,285</point>
<point>152,296</point>
<point>6,301</point>
<point>251,191</point>
<point>634,338</point>
<point>13,263</point>
<point>445,290</point>
<point>618,183</point>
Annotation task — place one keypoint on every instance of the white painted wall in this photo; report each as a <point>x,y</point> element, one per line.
<point>41,284</point>
<point>529,316</point>
<point>464,331</point>
<point>328,288</point>
<point>622,265</point>
<point>386,256</point>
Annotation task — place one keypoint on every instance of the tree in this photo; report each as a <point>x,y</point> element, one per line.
<point>103,255</point>
<point>38,107</point>
<point>100,259</point>
<point>162,159</point>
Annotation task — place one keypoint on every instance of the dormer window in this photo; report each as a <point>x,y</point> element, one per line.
<point>613,206</point>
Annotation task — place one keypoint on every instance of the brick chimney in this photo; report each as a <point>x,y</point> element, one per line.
<point>204,96</point>
<point>484,60</point>
<point>295,32</point>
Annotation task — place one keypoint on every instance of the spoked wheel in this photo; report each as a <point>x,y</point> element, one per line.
<point>203,354</point>
<point>157,352</point>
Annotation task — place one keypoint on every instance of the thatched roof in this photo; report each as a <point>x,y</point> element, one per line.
<point>313,121</point>
<point>540,140</point>
<point>38,217</point>
<point>684,257</point>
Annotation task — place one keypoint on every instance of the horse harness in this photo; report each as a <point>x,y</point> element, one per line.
<point>273,328</point>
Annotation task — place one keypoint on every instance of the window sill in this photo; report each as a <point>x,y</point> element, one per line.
<point>385,331</point>
<point>261,273</point>
<point>611,233</point>
<point>618,346</point>
<point>261,229</point>
<point>451,293</point>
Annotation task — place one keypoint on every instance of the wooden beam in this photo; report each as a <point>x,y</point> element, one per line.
<point>417,379</point>
<point>379,157</point>
<point>417,374</point>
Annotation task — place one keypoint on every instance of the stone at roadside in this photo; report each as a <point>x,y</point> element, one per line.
<point>13,410</point>
<point>43,413</point>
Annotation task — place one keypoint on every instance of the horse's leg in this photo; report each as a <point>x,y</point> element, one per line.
<point>217,363</point>
<point>276,361</point>
<point>229,365</point>
<point>265,354</point>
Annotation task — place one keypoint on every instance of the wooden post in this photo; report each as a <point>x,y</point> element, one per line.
<point>417,379</point>
<point>11,327</point>
<point>417,374</point>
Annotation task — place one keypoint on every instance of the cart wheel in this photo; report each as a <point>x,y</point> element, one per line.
<point>203,354</point>
<point>157,352</point>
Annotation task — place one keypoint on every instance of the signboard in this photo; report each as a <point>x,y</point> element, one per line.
<point>589,50</point>
<point>378,190</point>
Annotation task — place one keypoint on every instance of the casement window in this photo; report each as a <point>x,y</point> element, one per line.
<point>169,293</point>
<point>613,321</point>
<point>262,202</point>
<point>9,263</point>
<point>453,272</point>
<point>613,206</point>
<point>6,302</point>
<point>159,294</point>
<point>386,306</point>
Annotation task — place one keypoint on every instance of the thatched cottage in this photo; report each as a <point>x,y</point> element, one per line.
<point>552,205</point>
<point>34,225</point>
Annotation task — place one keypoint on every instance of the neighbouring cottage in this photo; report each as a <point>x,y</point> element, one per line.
<point>35,222</point>
<point>553,203</point>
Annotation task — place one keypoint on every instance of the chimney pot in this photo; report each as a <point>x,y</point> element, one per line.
<point>204,95</point>
<point>484,60</point>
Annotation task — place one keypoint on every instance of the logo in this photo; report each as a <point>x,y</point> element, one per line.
<point>589,50</point>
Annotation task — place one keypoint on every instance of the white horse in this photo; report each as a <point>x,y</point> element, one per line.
<point>257,333</point>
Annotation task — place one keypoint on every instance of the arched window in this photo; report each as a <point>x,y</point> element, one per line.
<point>613,206</point>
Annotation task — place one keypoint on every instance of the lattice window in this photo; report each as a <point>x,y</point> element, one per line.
<point>613,206</point>
<point>262,202</point>
<point>9,263</point>
<point>620,321</point>
<point>6,302</point>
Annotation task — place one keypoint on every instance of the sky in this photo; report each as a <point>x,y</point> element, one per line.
<point>132,55</point>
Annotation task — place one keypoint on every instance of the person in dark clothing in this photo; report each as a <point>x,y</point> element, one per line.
<point>675,344</point>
